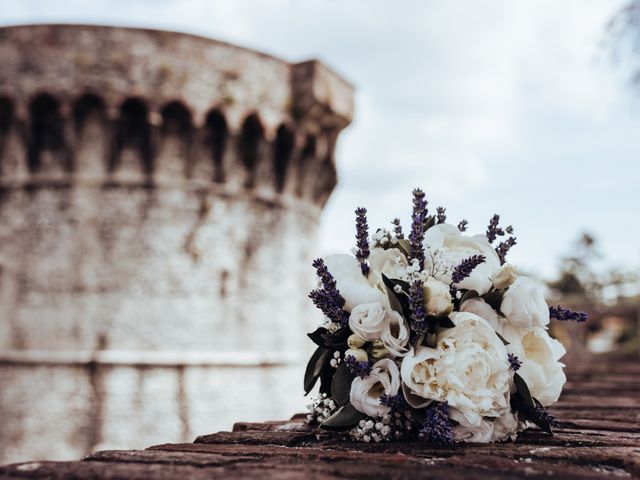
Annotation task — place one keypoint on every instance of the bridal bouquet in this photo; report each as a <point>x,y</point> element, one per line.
<point>433,336</point>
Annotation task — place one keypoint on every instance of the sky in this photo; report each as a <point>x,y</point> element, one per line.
<point>495,106</point>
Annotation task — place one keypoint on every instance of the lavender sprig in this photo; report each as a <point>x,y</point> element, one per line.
<point>462,226</point>
<point>564,314</point>
<point>328,298</point>
<point>536,414</point>
<point>416,307</point>
<point>437,427</point>
<point>493,230</point>
<point>397,228</point>
<point>360,368</point>
<point>503,248</point>
<point>464,269</point>
<point>362,238</point>
<point>418,218</point>
<point>441,215</point>
<point>396,403</point>
<point>514,362</point>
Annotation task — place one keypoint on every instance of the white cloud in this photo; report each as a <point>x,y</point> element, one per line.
<point>501,105</point>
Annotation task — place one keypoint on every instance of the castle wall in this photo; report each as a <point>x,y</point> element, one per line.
<point>159,200</point>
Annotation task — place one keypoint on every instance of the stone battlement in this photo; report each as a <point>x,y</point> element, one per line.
<point>119,106</point>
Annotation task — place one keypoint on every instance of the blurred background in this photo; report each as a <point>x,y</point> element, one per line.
<point>138,310</point>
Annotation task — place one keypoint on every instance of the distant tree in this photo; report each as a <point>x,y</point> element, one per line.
<point>577,279</point>
<point>624,32</point>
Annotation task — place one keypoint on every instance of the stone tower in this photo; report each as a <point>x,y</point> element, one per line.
<point>159,198</point>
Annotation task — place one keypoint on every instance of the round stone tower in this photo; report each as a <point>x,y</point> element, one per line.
<point>159,199</point>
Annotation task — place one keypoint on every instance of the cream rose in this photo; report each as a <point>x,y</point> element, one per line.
<point>437,297</point>
<point>456,248</point>
<point>481,308</point>
<point>372,321</point>
<point>464,431</point>
<point>468,368</point>
<point>365,392</point>
<point>505,427</point>
<point>524,305</point>
<point>504,276</point>
<point>353,286</point>
<point>391,262</point>
<point>540,355</point>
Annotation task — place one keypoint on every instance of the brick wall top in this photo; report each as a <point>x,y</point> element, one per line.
<point>116,63</point>
<point>599,438</point>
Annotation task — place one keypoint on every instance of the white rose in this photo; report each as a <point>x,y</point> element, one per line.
<point>468,369</point>
<point>457,247</point>
<point>505,427</point>
<point>371,321</point>
<point>395,336</point>
<point>481,308</point>
<point>353,286</point>
<point>524,305</point>
<point>466,432</point>
<point>540,355</point>
<point>437,297</point>
<point>365,392</point>
<point>368,320</point>
<point>504,276</point>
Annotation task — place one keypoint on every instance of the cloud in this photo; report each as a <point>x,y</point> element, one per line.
<point>490,106</point>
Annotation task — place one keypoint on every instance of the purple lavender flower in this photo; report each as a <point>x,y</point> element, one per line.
<point>509,229</point>
<point>362,237</point>
<point>493,230</point>
<point>442,214</point>
<point>418,218</point>
<point>436,427</point>
<point>328,298</point>
<point>418,315</point>
<point>464,269</point>
<point>396,403</point>
<point>503,248</point>
<point>462,226</point>
<point>514,362</point>
<point>564,314</point>
<point>397,228</point>
<point>537,414</point>
<point>360,368</point>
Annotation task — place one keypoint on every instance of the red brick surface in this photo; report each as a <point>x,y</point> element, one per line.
<point>599,438</point>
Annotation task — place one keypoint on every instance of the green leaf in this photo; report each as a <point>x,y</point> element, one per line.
<point>429,222</point>
<point>341,385</point>
<point>494,298</point>
<point>468,295</point>
<point>337,339</point>
<point>404,246</point>
<point>314,367</point>
<point>326,377</point>
<point>346,417</point>
<point>429,340</point>
<point>523,390</point>
<point>316,336</point>
<point>541,422</point>
<point>394,298</point>
<point>445,322</point>
<point>504,340</point>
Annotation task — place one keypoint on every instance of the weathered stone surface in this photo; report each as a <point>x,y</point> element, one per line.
<point>599,448</point>
<point>159,200</point>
